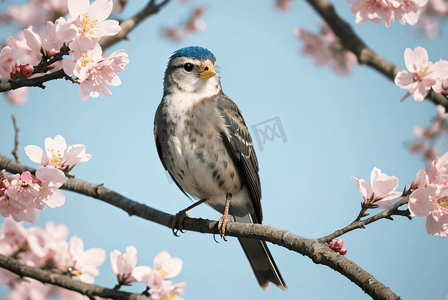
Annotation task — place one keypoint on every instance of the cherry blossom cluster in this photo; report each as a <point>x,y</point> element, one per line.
<point>428,194</point>
<point>423,75</point>
<point>34,12</point>
<point>326,49</point>
<point>431,19</point>
<point>156,278</point>
<point>77,36</point>
<point>403,11</point>
<point>22,194</point>
<point>426,137</point>
<point>338,246</point>
<point>48,249</point>
<point>194,24</point>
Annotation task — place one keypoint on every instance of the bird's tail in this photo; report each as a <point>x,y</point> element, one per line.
<point>260,259</point>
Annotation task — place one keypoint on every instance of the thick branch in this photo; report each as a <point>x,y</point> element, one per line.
<point>129,24</point>
<point>318,251</point>
<point>365,55</point>
<point>64,281</point>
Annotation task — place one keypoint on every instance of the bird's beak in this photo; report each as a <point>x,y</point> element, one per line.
<point>207,70</point>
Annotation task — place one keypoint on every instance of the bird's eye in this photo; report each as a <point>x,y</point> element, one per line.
<point>188,67</point>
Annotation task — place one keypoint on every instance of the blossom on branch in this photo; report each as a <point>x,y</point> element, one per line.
<point>124,264</point>
<point>326,49</point>
<point>90,21</point>
<point>381,189</point>
<point>422,74</point>
<point>21,194</point>
<point>58,155</point>
<point>403,11</point>
<point>46,248</point>
<point>94,71</point>
<point>156,279</point>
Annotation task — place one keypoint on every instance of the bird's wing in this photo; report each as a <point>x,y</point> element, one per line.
<point>158,119</point>
<point>238,139</point>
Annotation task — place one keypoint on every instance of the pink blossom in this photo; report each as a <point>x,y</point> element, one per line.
<point>84,264</point>
<point>437,171</point>
<point>7,62</point>
<point>34,12</point>
<point>403,11</point>
<point>156,279</point>
<point>441,86</point>
<point>433,131</point>
<point>94,71</point>
<point>194,24</point>
<point>12,237</point>
<point>428,26</point>
<point>438,7</point>
<point>30,289</point>
<point>283,5</point>
<point>90,19</point>
<point>124,264</point>
<point>432,204</point>
<point>423,73</point>
<point>17,97</point>
<point>167,266</point>
<point>442,115</point>
<point>51,180</point>
<point>21,194</point>
<point>58,155</point>
<point>381,189</point>
<point>169,291</point>
<point>343,251</point>
<point>326,48</point>
<point>53,39</point>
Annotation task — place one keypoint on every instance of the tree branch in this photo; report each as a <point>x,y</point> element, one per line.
<point>14,152</point>
<point>365,55</point>
<point>64,281</point>
<point>7,84</point>
<point>387,213</point>
<point>317,250</point>
<point>128,25</point>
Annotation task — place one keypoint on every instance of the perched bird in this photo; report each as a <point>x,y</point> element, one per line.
<point>203,142</point>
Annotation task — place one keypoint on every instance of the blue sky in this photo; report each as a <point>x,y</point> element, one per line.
<point>336,127</point>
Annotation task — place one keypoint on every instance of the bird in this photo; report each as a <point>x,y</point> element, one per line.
<point>203,142</point>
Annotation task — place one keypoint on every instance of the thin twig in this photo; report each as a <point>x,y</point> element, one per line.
<point>316,250</point>
<point>365,55</point>
<point>385,214</point>
<point>15,151</point>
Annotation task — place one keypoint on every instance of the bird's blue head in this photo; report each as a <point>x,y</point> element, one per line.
<point>194,52</point>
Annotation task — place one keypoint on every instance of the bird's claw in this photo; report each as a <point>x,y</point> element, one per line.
<point>178,220</point>
<point>222,223</point>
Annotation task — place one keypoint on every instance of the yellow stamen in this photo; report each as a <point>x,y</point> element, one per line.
<point>56,158</point>
<point>85,60</point>
<point>76,272</point>
<point>441,203</point>
<point>162,272</point>
<point>87,24</point>
<point>170,296</point>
